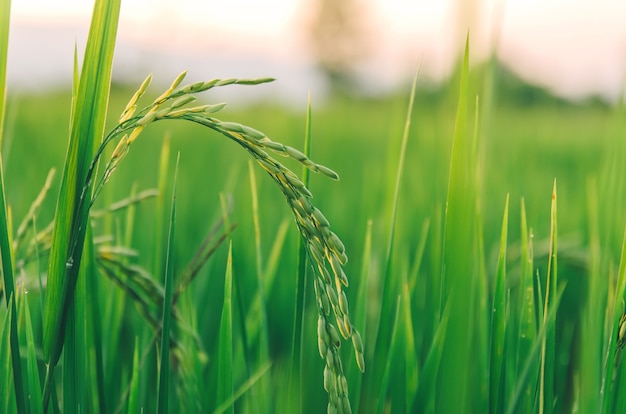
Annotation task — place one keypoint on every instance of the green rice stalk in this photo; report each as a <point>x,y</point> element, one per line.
<point>258,309</point>
<point>34,385</point>
<point>225,386</point>
<point>160,214</point>
<point>164,366</point>
<point>227,405</point>
<point>592,332</point>
<point>296,363</point>
<point>499,323</point>
<point>9,291</point>
<point>394,350</point>
<point>615,313</point>
<point>133,395</point>
<point>7,393</point>
<point>388,287</point>
<point>71,218</point>
<point>360,311</point>
<point>459,278</point>
<point>524,377</point>
<point>425,399</point>
<point>546,380</point>
<point>5,246</point>
<point>527,315</point>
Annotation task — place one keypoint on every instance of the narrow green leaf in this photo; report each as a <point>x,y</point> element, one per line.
<point>133,395</point>
<point>527,315</point>
<point>524,377</point>
<point>34,385</point>
<point>459,277</point>
<point>7,393</point>
<point>71,218</point>
<point>389,288</point>
<point>498,322</point>
<point>295,369</point>
<point>164,367</point>
<point>225,348</point>
<point>548,350</point>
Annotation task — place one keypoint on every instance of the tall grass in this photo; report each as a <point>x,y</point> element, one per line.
<point>221,315</point>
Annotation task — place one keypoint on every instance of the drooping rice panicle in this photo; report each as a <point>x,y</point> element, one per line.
<point>324,247</point>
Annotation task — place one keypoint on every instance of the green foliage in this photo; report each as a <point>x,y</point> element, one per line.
<point>459,303</point>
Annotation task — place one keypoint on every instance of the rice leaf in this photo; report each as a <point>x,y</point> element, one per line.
<point>164,366</point>
<point>527,316</point>
<point>459,278</point>
<point>71,217</point>
<point>7,389</point>
<point>133,395</point>
<point>548,349</point>
<point>524,376</point>
<point>225,347</point>
<point>34,386</point>
<point>296,369</point>
<point>498,323</point>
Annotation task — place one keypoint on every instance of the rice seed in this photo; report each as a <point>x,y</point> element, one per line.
<point>334,336</point>
<point>343,302</point>
<point>327,172</point>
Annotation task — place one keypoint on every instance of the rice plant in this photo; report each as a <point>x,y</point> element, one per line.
<point>452,310</point>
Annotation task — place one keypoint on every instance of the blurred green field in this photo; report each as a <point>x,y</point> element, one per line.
<point>523,147</point>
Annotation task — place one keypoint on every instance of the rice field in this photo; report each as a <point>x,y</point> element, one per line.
<point>455,250</point>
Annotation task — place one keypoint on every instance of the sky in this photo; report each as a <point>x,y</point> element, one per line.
<point>575,48</point>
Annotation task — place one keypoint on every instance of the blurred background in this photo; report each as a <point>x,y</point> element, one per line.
<point>576,49</point>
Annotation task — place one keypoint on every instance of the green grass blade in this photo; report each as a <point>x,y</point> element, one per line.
<point>34,385</point>
<point>164,366</point>
<point>355,376</point>
<point>459,263</point>
<point>71,218</point>
<point>225,351</point>
<point>498,322</point>
<point>259,306</point>
<point>133,395</point>
<point>546,383</point>
<point>524,377</point>
<point>297,341</point>
<point>5,246</point>
<point>527,315</point>
<point>389,286</point>
<point>425,399</point>
<point>7,393</point>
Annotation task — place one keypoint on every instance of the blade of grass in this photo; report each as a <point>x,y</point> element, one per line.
<point>548,351</point>
<point>259,302</point>
<point>71,218</point>
<point>133,395</point>
<point>355,377</point>
<point>498,322</point>
<point>5,246</point>
<point>225,348</point>
<point>459,264</point>
<point>34,386</point>
<point>164,366</point>
<point>382,330</point>
<point>7,393</point>
<point>528,315</point>
<point>297,341</point>
<point>547,324</point>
